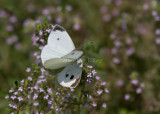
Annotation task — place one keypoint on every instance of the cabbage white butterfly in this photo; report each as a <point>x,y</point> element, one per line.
<point>60,52</point>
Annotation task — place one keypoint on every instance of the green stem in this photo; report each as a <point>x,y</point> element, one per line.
<point>79,103</point>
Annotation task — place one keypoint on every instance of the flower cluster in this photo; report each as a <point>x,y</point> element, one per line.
<point>35,95</point>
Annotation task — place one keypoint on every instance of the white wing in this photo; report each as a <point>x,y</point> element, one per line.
<point>55,62</point>
<point>71,75</point>
<point>60,41</point>
<point>59,52</point>
<point>47,53</point>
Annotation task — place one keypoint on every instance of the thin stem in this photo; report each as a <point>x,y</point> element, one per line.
<point>80,98</point>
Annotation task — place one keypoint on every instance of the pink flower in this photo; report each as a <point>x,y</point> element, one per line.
<point>49,90</point>
<point>106,90</point>
<point>99,92</point>
<point>11,90</point>
<point>134,82</point>
<point>13,97</point>
<point>98,78</point>
<point>104,105</point>
<point>20,89</point>
<point>138,90</point>
<point>7,96</point>
<point>20,98</point>
<point>36,103</point>
<point>30,78</point>
<point>94,104</point>
<point>28,70</point>
<point>35,96</point>
<point>103,83</point>
<point>127,97</point>
<point>46,96</point>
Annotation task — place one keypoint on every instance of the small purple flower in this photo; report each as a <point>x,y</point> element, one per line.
<point>127,97</point>
<point>130,51</point>
<point>116,60</point>
<point>11,90</point>
<point>128,40</point>
<point>14,106</point>
<point>49,90</point>
<point>72,89</point>
<point>68,7</point>
<point>49,102</point>
<point>94,104</point>
<point>10,105</point>
<point>90,67</point>
<point>28,70</point>
<point>134,82</point>
<point>89,75</point>
<point>36,103</point>
<point>40,32</point>
<point>106,90</point>
<point>22,82</point>
<point>157,32</point>
<point>76,26</point>
<point>138,90</point>
<point>94,72</point>
<point>103,83</point>
<point>99,92</point>
<point>43,70</point>
<point>117,43</point>
<point>154,13</point>
<point>142,85</point>
<point>157,40</point>
<point>35,96</point>
<point>20,98</point>
<point>98,78</point>
<point>46,96</point>
<point>145,6</point>
<point>30,78</point>
<point>41,90</point>
<point>13,97</point>
<point>112,36</point>
<point>13,19</point>
<point>36,87</point>
<point>15,93</point>
<point>29,96</point>
<point>20,89</point>
<point>104,105</point>
<point>86,105</point>
<point>120,83</point>
<point>58,20</point>
<point>7,96</point>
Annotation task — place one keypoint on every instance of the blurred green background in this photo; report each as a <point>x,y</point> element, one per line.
<point>120,38</point>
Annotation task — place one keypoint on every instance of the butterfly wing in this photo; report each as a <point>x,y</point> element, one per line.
<point>60,41</point>
<point>71,74</point>
<point>59,45</point>
<point>54,62</point>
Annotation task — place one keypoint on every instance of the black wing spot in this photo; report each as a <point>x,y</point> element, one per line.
<point>67,75</point>
<point>58,38</point>
<point>72,54</point>
<point>71,77</point>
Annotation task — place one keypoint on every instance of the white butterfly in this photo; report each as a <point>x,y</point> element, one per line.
<point>60,52</point>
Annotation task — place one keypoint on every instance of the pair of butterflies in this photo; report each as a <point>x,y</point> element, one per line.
<point>60,52</point>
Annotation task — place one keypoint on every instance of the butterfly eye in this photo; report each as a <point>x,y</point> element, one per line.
<point>58,38</point>
<point>71,77</point>
<point>67,75</point>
